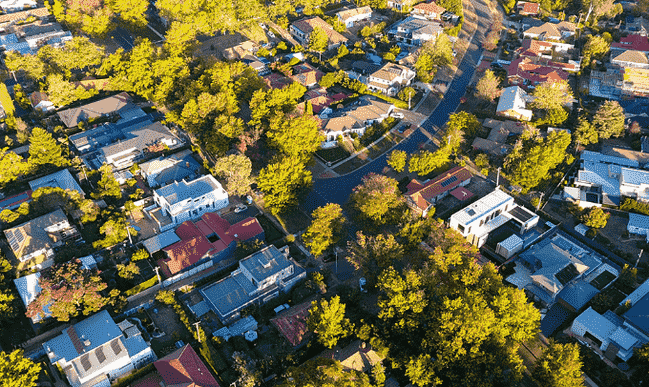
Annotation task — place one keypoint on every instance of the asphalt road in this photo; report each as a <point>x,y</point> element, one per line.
<point>338,189</point>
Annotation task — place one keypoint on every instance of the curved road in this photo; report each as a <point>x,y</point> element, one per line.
<point>338,189</point>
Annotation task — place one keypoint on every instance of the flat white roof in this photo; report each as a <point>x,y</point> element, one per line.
<point>481,207</point>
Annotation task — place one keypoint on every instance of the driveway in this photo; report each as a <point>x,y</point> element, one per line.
<point>338,189</point>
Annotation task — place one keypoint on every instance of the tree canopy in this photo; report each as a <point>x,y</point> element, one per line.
<point>559,366</point>
<point>595,218</point>
<point>236,170</point>
<point>280,182</point>
<point>68,290</point>
<point>327,320</point>
<point>325,229</point>
<point>377,197</point>
<point>609,120</point>
<point>488,87</point>
<point>322,372</point>
<point>398,160</point>
<point>44,150</point>
<point>17,370</point>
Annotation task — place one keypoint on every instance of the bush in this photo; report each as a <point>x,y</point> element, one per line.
<point>128,380</point>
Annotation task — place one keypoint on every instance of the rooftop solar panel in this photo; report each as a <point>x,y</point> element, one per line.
<point>116,347</point>
<point>100,355</point>
<point>85,362</point>
<point>449,181</point>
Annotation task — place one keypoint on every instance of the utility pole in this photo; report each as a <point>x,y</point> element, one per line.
<point>198,333</point>
<point>539,203</point>
<point>157,272</point>
<point>336,252</point>
<point>638,260</point>
<point>129,234</point>
<point>498,178</point>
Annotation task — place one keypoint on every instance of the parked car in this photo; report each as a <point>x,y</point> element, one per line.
<point>240,208</point>
<point>270,34</point>
<point>361,284</point>
<point>397,115</point>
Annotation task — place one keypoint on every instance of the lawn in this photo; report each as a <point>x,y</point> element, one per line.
<point>270,230</point>
<point>294,220</point>
<point>142,286</point>
<point>602,280</point>
<point>382,146</point>
<point>333,154</point>
<point>352,165</point>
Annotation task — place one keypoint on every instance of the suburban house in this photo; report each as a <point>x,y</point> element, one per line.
<point>29,288</point>
<point>636,25</point>
<point>525,8</point>
<point>355,119</point>
<point>13,202</point>
<point>558,267</point>
<point>421,196</point>
<point>239,50</point>
<point>7,19</point>
<point>291,323</point>
<point>301,31</point>
<point>165,170</point>
<point>187,200</point>
<point>210,237</point>
<point>635,82</point>
<point>390,78</point>
<point>551,31</point>
<point>183,367</point>
<point>246,327</point>
<point>429,10</point>
<point>320,99</point>
<point>119,104</point>
<point>276,80</point>
<point>476,221</point>
<point>62,179</point>
<point>350,16</point>
<point>358,356</point>
<point>634,42</point>
<point>496,142</point>
<point>544,49</point>
<point>28,37</point>
<point>9,6</point>
<point>400,5</point>
<point>639,225</point>
<point>631,58</point>
<point>512,104</point>
<point>605,179</point>
<point>257,65</point>
<point>259,278</point>
<point>95,351</point>
<point>415,31</point>
<point>306,75</point>
<point>525,71</point>
<point>606,84</point>
<point>39,237</point>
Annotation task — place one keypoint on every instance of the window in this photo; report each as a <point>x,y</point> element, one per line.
<point>461,228</point>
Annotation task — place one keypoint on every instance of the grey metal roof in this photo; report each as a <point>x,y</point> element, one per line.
<point>638,315</point>
<point>578,294</point>
<point>265,263</point>
<point>160,241</point>
<point>180,191</point>
<point>61,179</point>
<point>639,221</point>
<point>600,158</point>
<point>226,295</point>
<point>140,138</point>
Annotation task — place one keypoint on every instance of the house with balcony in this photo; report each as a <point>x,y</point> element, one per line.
<point>259,278</point>
<point>350,16</point>
<point>529,72</point>
<point>477,220</point>
<point>603,179</point>
<point>301,31</point>
<point>96,351</point>
<point>39,237</point>
<point>390,78</point>
<point>165,170</point>
<point>512,103</point>
<point>551,31</point>
<point>415,31</point>
<point>183,367</point>
<point>62,179</point>
<point>354,119</point>
<point>635,42</point>
<point>631,58</point>
<point>185,200</point>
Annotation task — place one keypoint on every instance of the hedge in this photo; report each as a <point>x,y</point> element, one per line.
<point>633,205</point>
<point>142,286</point>
<point>127,380</point>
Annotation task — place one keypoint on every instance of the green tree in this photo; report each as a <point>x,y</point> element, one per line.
<point>585,132</point>
<point>559,366</point>
<point>140,255</point>
<point>531,161</point>
<point>406,95</point>
<point>377,198</point>
<point>595,218</point>
<point>327,320</point>
<point>596,47</point>
<point>600,9</point>
<point>107,186</point>
<point>6,101</point>
<point>609,120</point>
<point>325,229</point>
<point>249,375</point>
<point>280,182</point>
<point>17,370</point>
<point>323,372</point>
<point>236,170</point>
<point>114,231</point>
<point>488,87</point>
<point>442,52</point>
<point>373,254</point>
<point>11,166</point>
<point>68,290</point>
<point>128,271</point>
<point>424,162</point>
<point>297,137</point>
<point>43,150</point>
<point>642,369</point>
<point>62,92</point>
<point>551,97</point>
<point>398,160</point>
<point>30,64</point>
<point>318,40</point>
<point>425,67</point>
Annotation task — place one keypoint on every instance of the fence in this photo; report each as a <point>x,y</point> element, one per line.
<point>186,274</point>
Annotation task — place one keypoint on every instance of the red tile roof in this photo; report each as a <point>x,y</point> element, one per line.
<point>292,323</point>
<point>527,69</point>
<point>306,75</point>
<point>276,80</point>
<point>184,368</point>
<point>633,42</point>
<point>461,193</point>
<point>428,8</point>
<point>424,194</point>
<point>307,26</point>
<point>530,9</point>
<point>194,244</point>
<point>534,48</point>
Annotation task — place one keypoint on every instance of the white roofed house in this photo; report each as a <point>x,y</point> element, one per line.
<point>95,351</point>
<point>183,200</point>
<point>351,16</point>
<point>390,78</point>
<point>476,221</point>
<point>9,6</point>
<point>301,31</point>
<point>512,104</point>
<point>415,30</point>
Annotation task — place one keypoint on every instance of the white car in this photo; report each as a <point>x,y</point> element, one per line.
<point>397,115</point>
<point>240,208</point>
<point>272,35</point>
